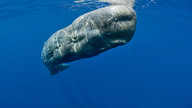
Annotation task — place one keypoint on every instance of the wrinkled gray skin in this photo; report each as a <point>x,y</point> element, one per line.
<point>88,36</point>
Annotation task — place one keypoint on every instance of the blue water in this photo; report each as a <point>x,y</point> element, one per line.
<point>154,70</point>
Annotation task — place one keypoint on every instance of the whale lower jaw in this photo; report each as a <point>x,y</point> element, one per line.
<point>57,68</point>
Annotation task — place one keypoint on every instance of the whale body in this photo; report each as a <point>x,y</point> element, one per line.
<point>89,35</point>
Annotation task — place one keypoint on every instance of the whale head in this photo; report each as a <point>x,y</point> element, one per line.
<point>103,29</point>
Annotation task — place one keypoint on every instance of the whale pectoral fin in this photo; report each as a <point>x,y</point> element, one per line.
<point>59,67</point>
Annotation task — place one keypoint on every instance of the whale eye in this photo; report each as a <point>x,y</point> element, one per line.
<point>74,39</point>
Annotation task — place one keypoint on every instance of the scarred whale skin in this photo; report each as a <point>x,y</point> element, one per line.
<point>89,35</point>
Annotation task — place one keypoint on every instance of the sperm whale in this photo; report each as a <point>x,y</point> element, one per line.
<point>89,35</point>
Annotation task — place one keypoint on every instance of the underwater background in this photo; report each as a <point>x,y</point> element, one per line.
<point>154,70</point>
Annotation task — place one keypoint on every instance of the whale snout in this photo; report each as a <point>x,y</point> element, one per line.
<point>120,28</point>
